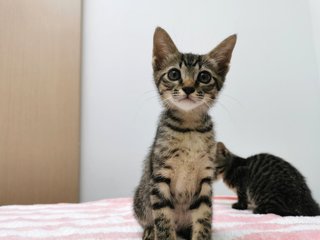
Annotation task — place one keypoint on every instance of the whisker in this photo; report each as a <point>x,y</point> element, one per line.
<point>234,99</point>
<point>151,97</point>
<point>166,101</point>
<point>200,97</point>
<point>149,91</point>
<point>220,104</point>
<point>206,104</point>
<point>226,110</point>
<point>141,103</point>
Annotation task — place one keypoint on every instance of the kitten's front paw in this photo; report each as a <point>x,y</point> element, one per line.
<point>239,206</point>
<point>148,233</point>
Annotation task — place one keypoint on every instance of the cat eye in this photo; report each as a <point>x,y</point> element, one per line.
<point>174,74</point>
<point>204,77</point>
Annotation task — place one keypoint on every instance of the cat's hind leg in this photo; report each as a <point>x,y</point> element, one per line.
<point>278,210</point>
<point>259,210</point>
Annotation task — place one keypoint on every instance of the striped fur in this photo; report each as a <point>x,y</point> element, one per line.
<point>268,183</point>
<point>174,194</point>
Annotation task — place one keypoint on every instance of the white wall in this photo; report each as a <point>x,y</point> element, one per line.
<point>315,23</point>
<point>270,102</point>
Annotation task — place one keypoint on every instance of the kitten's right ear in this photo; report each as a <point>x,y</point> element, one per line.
<point>221,150</point>
<point>163,46</point>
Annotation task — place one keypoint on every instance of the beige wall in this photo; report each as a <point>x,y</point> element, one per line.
<point>39,100</point>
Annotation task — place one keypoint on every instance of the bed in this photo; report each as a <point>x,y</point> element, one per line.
<point>113,219</point>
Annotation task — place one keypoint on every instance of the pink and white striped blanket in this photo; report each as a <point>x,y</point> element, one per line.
<point>113,219</point>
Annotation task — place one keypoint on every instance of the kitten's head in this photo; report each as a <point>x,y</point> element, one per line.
<point>189,81</point>
<point>223,159</point>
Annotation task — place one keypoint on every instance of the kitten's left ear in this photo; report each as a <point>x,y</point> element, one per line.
<point>222,54</point>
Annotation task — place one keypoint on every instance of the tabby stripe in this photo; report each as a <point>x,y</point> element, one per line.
<point>162,223</point>
<point>156,192</point>
<point>167,84</point>
<point>220,170</point>
<point>185,130</point>
<point>206,129</point>
<point>177,129</point>
<point>197,61</point>
<point>181,60</point>
<point>167,167</point>
<point>190,60</point>
<point>174,118</point>
<point>204,234</point>
<point>166,81</point>
<point>160,79</point>
<point>205,222</point>
<point>173,151</point>
<point>148,233</point>
<point>218,83</point>
<point>202,199</point>
<point>161,179</point>
<point>159,194</point>
<point>205,180</point>
<point>162,204</point>
<point>187,63</point>
<point>209,87</point>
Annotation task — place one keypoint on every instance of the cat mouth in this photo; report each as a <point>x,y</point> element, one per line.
<point>187,100</point>
<point>185,103</point>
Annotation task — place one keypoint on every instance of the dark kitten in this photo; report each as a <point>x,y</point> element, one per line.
<point>174,194</point>
<point>269,183</point>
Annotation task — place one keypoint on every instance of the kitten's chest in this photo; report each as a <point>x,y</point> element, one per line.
<point>192,162</point>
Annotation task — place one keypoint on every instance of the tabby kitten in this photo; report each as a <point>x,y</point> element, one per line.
<point>268,183</point>
<point>174,194</point>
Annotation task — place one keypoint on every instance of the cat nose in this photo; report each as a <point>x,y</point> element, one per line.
<point>188,90</point>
